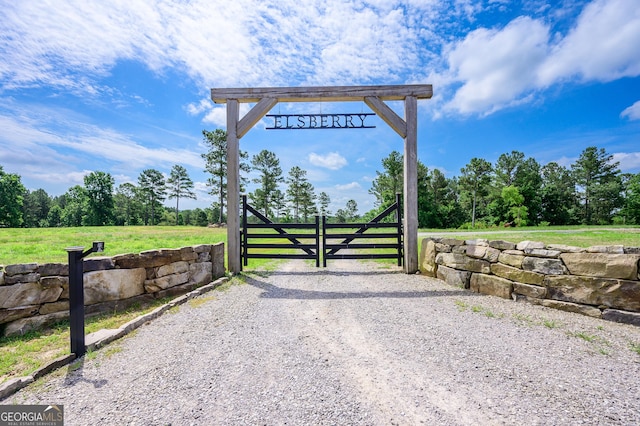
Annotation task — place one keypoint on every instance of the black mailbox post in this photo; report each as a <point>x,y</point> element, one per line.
<point>76,295</point>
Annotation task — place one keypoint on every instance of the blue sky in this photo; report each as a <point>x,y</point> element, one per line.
<point>121,86</point>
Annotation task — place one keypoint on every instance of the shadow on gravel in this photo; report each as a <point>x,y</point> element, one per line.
<point>271,291</point>
<point>75,374</point>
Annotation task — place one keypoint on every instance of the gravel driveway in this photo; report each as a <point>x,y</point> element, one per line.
<point>354,344</point>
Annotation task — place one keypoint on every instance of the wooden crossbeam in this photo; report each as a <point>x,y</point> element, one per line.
<point>322,94</point>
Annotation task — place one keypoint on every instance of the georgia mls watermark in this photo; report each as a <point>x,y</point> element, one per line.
<point>31,415</point>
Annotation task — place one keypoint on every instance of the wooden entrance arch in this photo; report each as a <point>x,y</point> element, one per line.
<point>266,98</point>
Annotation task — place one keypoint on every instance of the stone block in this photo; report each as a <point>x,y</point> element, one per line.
<point>217,261</point>
<point>12,386</point>
<point>98,264</point>
<point>1,277</point>
<point>155,258</point>
<point>613,293</point>
<point>24,325</point>
<point>52,269</point>
<point>32,277</point>
<point>515,274</point>
<point>502,245</point>
<point>127,261</point>
<point>528,290</point>
<point>613,249</point>
<point>188,254</point>
<point>12,314</point>
<point>460,261</point>
<point>477,242</point>
<point>49,308</point>
<point>200,273</point>
<point>23,294</point>
<point>175,291</point>
<point>543,265</point>
<point>623,266</point>
<point>443,248</point>
<point>514,252</point>
<point>566,249</point>
<point>452,242</point>
<point>530,245</point>
<point>21,269</point>
<point>492,285</point>
<point>621,316</point>
<point>114,284</point>
<point>203,257</point>
<point>483,252</point>
<point>428,258</point>
<point>54,281</point>
<point>152,286</point>
<point>572,307</point>
<point>65,292</point>
<point>454,277</point>
<point>458,250</point>
<point>202,248</point>
<point>536,252</point>
<point>632,250</point>
<point>172,268</point>
<point>514,260</point>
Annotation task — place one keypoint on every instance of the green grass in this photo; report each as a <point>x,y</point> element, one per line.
<point>550,323</point>
<point>635,347</point>
<point>22,355</point>
<point>584,336</point>
<point>580,236</point>
<point>44,245</point>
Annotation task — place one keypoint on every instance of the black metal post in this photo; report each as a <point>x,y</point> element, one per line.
<point>324,241</point>
<point>243,235</point>
<point>317,241</point>
<point>76,296</point>
<point>76,301</point>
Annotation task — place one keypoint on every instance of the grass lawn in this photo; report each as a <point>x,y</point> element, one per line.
<point>580,236</point>
<point>44,245</point>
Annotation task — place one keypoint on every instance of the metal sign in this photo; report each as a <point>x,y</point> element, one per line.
<point>319,121</point>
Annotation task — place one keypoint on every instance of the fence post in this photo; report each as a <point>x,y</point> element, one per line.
<point>324,241</point>
<point>317,241</point>
<point>76,296</point>
<point>243,233</point>
<point>399,221</point>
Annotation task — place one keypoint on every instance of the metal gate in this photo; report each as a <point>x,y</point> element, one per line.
<point>286,240</point>
<point>256,243</point>
<point>389,240</point>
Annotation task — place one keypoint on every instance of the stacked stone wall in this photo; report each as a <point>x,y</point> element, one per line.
<point>599,281</point>
<point>34,296</point>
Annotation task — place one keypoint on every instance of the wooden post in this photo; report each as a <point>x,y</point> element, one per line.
<point>373,96</point>
<point>233,188</point>
<point>411,186</point>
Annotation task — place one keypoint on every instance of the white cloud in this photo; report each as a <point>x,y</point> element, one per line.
<point>632,112</point>
<point>349,186</point>
<point>332,161</point>
<point>216,42</point>
<point>59,140</point>
<point>602,46</point>
<point>629,161</point>
<point>497,67</point>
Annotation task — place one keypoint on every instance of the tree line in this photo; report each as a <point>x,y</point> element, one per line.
<point>515,191</point>
<point>97,204</point>
<point>518,191</point>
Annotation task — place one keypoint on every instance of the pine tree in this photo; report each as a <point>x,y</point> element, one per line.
<point>180,186</point>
